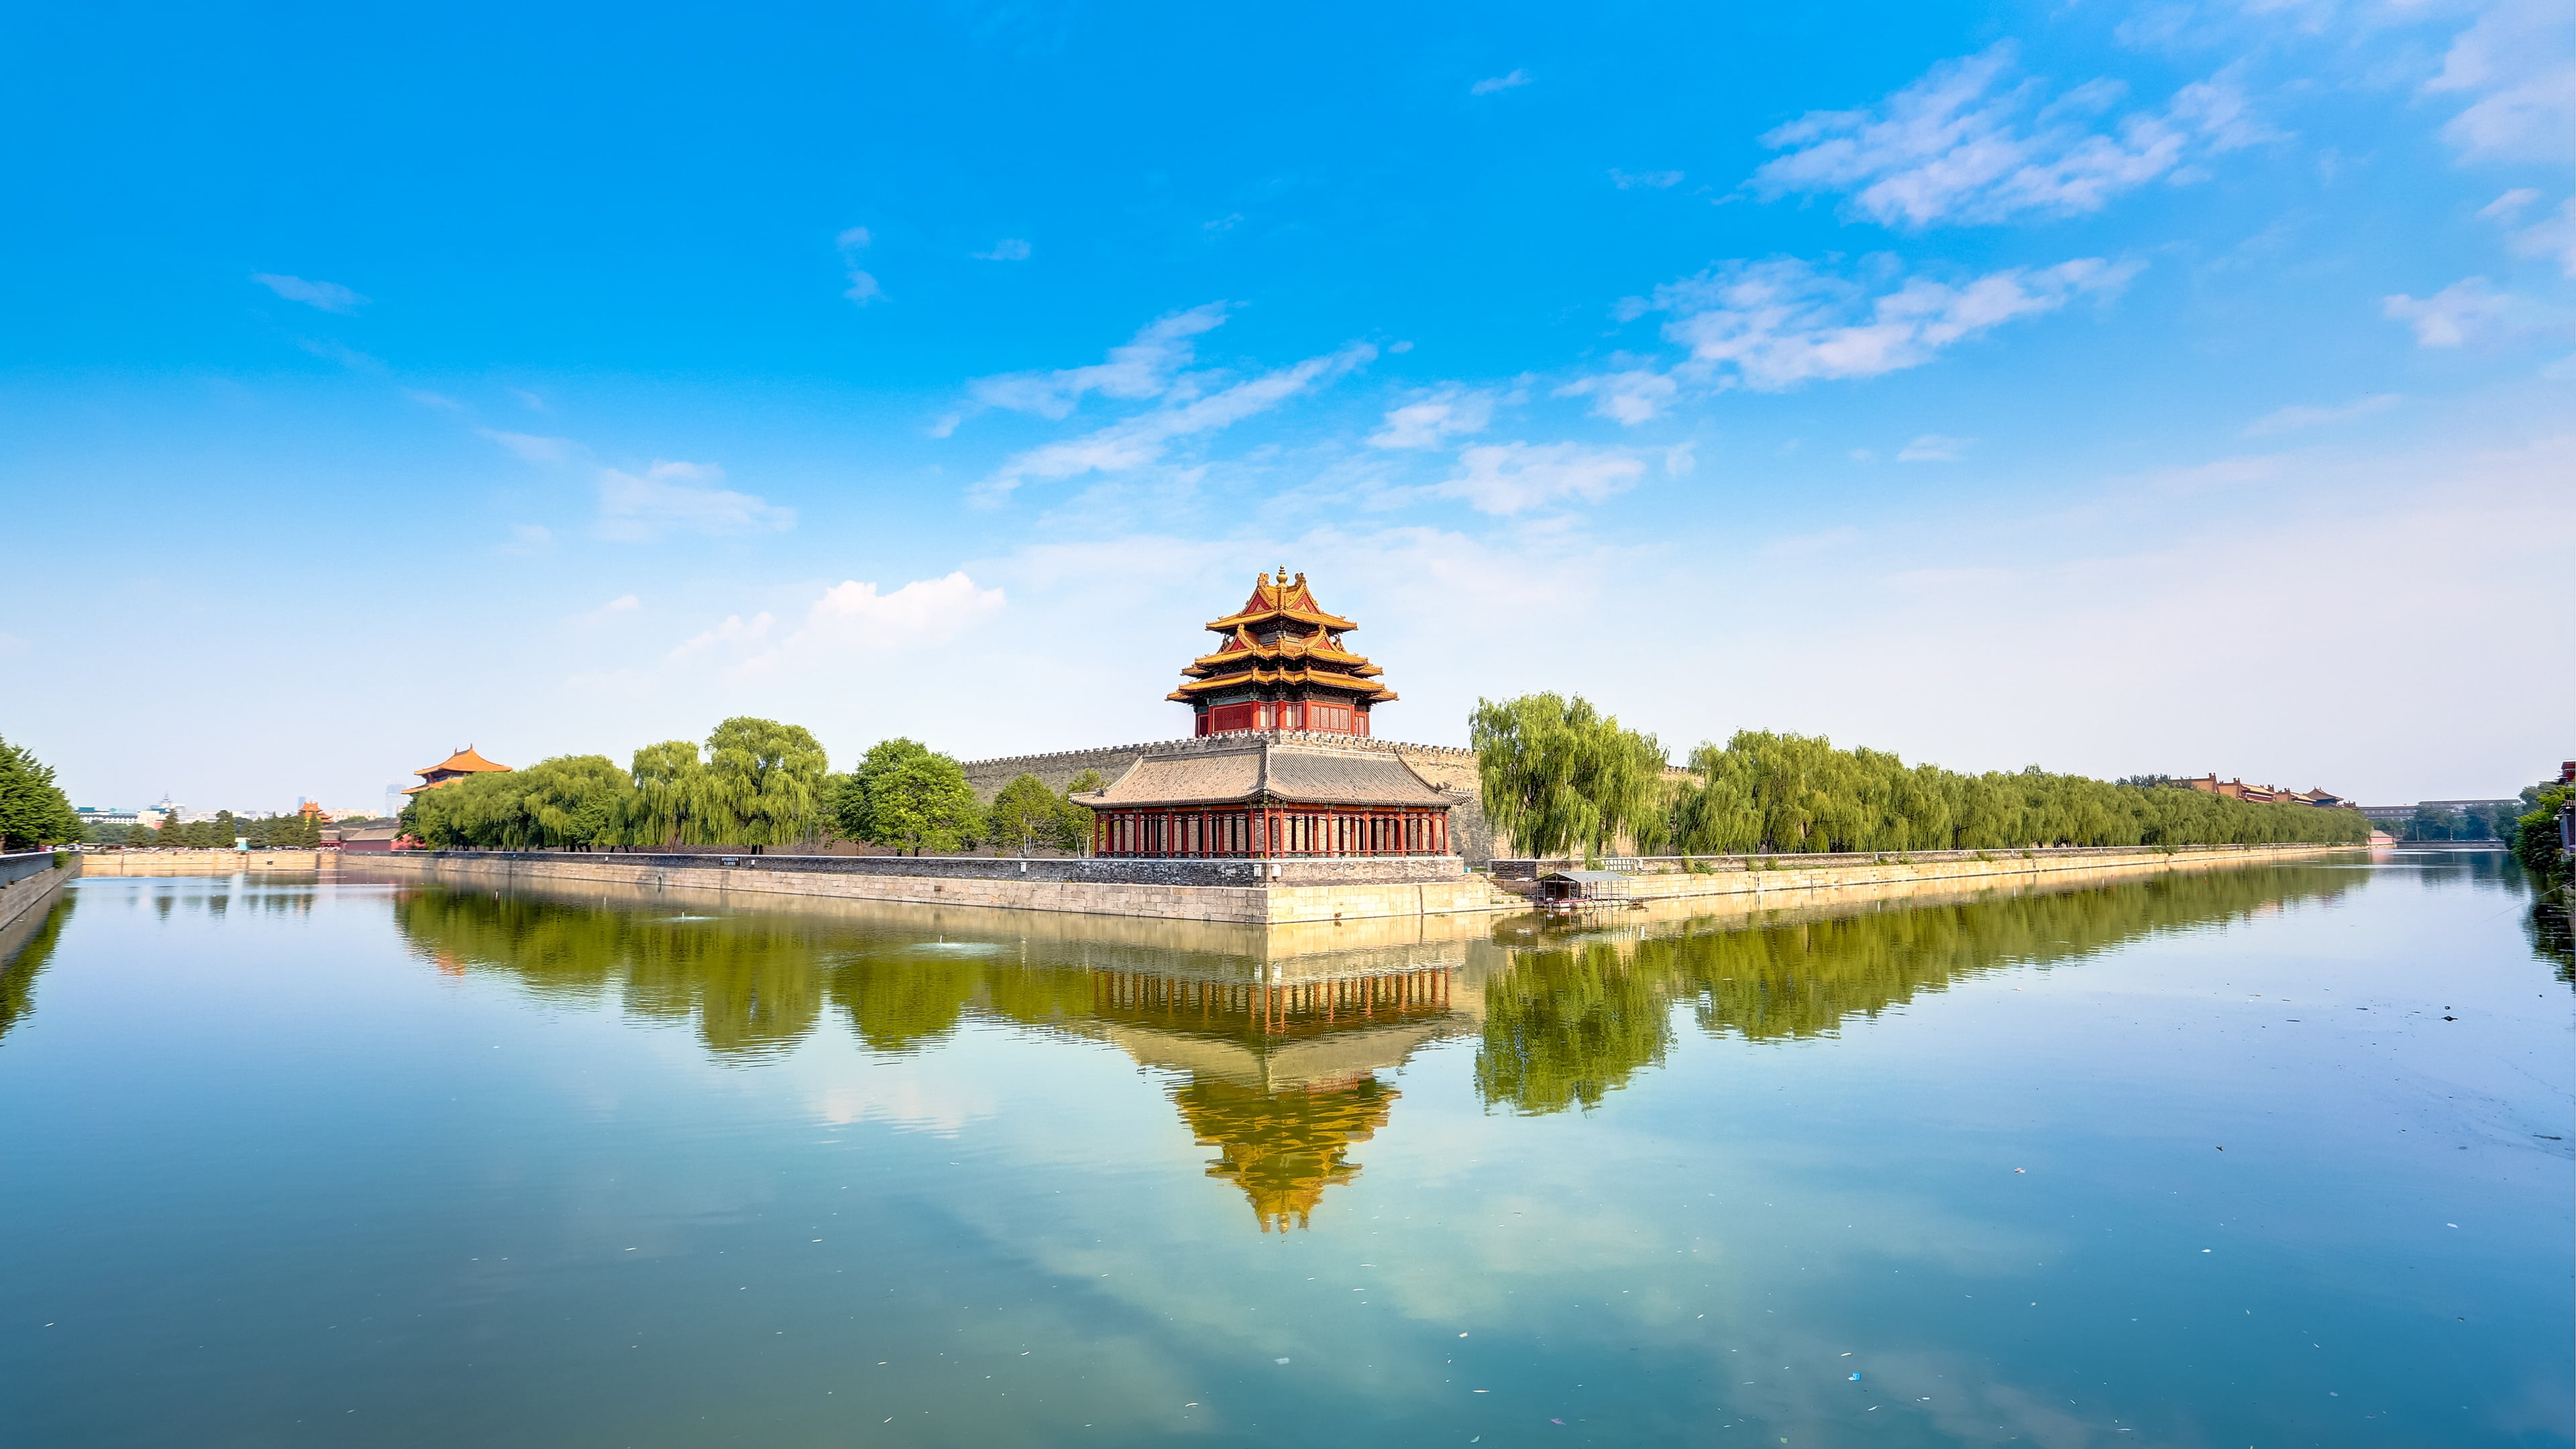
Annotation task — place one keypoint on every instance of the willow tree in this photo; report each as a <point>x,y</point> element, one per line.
<point>764,783</point>
<point>1560,776</point>
<point>668,803</point>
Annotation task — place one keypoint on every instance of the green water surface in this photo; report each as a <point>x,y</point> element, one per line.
<point>2269,1156</point>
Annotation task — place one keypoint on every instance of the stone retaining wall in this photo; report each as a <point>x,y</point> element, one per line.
<point>1113,870</point>
<point>1246,904</point>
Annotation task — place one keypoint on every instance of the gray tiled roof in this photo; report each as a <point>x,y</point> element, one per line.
<point>1290,773</point>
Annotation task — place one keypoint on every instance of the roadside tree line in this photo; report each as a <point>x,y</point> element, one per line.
<point>33,810</point>
<point>755,783</point>
<point>1562,778</point>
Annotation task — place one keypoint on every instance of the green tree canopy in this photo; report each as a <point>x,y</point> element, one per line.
<point>923,803</point>
<point>667,800</point>
<point>33,810</point>
<point>1560,776</point>
<point>1765,792</point>
<point>1025,813</point>
<point>764,783</point>
<point>1073,822</point>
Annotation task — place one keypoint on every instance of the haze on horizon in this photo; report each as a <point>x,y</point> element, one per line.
<point>2175,387</point>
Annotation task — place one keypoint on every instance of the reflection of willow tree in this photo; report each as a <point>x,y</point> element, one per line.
<point>899,1003</point>
<point>2551,940</point>
<point>1283,1149</point>
<point>1566,1025</point>
<point>751,984</point>
<point>18,973</point>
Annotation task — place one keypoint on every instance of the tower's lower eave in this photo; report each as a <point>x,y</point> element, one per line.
<point>1266,795</point>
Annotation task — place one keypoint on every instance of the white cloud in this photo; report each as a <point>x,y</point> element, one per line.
<point>1008,249</point>
<point>2467,308</point>
<point>2553,236</point>
<point>679,498</point>
<point>1629,398</point>
<point>1491,84</point>
<point>1431,419</point>
<point>2518,63</point>
<point>851,618</point>
<point>1967,143</point>
<point>1934,448</point>
<point>2290,419</point>
<point>529,400</point>
<point>863,287</point>
<point>1146,366</point>
<point>329,296</point>
<point>1513,477</point>
<point>433,399</point>
<point>530,537</point>
<point>1775,324</point>
<point>1657,180</point>
<point>531,448</point>
<point>615,609</point>
<point>1138,441</point>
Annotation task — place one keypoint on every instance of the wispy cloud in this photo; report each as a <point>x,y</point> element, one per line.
<point>863,287</point>
<point>850,619</point>
<point>1493,83</point>
<point>341,353</point>
<point>329,296</point>
<point>1635,396</point>
<point>1511,478</point>
<point>528,447</point>
<point>1772,325</point>
<point>1969,143</point>
<point>672,497</point>
<point>2553,236</point>
<point>1008,249</point>
<point>1934,448</point>
<point>429,399</point>
<point>2291,419</point>
<point>2468,308</point>
<point>608,613</point>
<point>1146,366</point>
<point>2517,63</point>
<point>1432,418</point>
<point>1138,441</point>
<point>1656,180</point>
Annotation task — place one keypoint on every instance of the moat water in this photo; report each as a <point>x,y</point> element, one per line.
<point>2270,1156</point>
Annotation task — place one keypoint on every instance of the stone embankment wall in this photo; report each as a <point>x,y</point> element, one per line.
<point>1821,877</point>
<point>24,897</point>
<point>1469,834</point>
<point>209,862</point>
<point>1244,904</point>
<point>1307,892</point>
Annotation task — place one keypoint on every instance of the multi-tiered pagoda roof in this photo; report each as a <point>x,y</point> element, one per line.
<point>1282,666</point>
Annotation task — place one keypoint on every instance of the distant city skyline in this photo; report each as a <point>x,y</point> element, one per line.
<point>2168,389</point>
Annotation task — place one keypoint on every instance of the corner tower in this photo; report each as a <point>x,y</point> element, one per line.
<point>1282,667</point>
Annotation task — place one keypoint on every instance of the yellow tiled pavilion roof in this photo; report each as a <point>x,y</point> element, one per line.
<point>1281,598</point>
<point>1306,650</point>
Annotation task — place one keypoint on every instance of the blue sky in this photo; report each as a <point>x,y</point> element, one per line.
<point>2170,387</point>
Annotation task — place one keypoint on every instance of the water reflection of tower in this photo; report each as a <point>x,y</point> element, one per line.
<point>1281,1069</point>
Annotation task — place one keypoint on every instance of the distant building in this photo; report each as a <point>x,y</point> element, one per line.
<point>455,767</point>
<point>2237,789</point>
<point>368,839</point>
